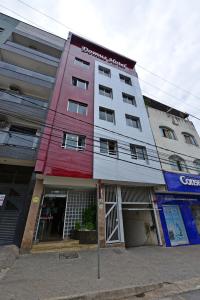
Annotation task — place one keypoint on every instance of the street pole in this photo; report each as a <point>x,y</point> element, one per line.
<point>99,196</point>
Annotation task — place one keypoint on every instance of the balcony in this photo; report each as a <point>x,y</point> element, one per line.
<point>29,58</point>
<point>25,107</point>
<point>31,83</point>
<point>10,70</point>
<point>18,146</point>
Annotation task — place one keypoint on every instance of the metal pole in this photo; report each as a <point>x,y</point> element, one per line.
<point>98,240</point>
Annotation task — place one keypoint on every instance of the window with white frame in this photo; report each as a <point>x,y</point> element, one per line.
<point>108,147</point>
<point>189,139</point>
<point>167,133</point>
<point>178,163</point>
<point>73,141</point>
<point>105,91</point>
<point>138,152</point>
<point>128,99</point>
<point>81,62</point>
<point>133,121</point>
<point>104,71</point>
<point>197,165</point>
<point>83,84</point>
<point>125,79</point>
<point>77,107</point>
<point>107,114</point>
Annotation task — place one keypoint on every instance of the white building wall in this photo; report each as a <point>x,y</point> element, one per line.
<point>108,168</point>
<point>159,118</point>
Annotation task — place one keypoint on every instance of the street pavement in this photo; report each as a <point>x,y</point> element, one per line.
<point>41,276</point>
<point>192,295</point>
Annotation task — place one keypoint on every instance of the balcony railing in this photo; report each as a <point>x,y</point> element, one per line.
<point>23,106</point>
<point>18,145</point>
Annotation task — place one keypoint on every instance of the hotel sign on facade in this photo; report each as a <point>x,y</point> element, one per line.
<point>103,57</point>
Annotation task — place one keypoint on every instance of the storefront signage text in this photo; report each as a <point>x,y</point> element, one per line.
<point>103,57</point>
<point>189,181</point>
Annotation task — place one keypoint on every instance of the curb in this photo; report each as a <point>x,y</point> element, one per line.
<point>159,290</point>
<point>111,294</point>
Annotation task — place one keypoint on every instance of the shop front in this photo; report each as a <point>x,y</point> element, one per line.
<point>179,209</point>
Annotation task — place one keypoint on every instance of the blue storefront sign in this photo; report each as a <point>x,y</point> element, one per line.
<point>182,182</point>
<point>180,209</point>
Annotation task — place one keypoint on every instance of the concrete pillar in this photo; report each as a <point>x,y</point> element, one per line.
<point>101,215</point>
<point>161,239</point>
<point>32,216</point>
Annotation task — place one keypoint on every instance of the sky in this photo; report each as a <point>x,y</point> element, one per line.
<point>163,37</point>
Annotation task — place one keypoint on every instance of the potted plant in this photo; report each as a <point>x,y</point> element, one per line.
<point>87,232</point>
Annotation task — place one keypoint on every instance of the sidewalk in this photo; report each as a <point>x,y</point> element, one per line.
<point>39,276</point>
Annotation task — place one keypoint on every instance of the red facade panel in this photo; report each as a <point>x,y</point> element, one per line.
<point>52,158</point>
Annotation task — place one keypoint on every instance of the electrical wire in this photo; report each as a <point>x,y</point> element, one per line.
<point>99,127</point>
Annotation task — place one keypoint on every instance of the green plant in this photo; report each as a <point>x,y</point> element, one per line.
<point>89,217</point>
<point>77,226</point>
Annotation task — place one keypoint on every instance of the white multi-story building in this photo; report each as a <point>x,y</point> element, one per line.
<point>178,145</point>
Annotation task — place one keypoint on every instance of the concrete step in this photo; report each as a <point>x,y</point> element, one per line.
<point>71,245</point>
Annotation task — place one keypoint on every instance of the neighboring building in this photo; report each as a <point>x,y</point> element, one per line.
<point>178,145</point>
<point>29,58</point>
<point>98,150</point>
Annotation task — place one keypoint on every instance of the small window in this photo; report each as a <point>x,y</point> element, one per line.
<point>138,152</point>
<point>77,107</point>
<point>105,91</point>
<point>104,71</point>
<point>108,147</point>
<point>1,29</point>
<point>177,163</point>
<point>23,130</point>
<point>168,133</point>
<point>189,139</point>
<point>106,114</point>
<point>133,121</point>
<point>128,99</point>
<point>125,79</point>
<point>80,83</point>
<point>197,165</point>
<point>82,63</point>
<point>73,141</point>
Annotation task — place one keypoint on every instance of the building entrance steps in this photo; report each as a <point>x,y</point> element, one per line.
<point>60,246</point>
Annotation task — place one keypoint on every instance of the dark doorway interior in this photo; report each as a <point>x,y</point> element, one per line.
<point>52,219</point>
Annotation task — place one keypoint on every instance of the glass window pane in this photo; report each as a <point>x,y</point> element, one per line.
<point>71,141</point>
<point>82,109</point>
<point>81,142</point>
<point>103,146</point>
<point>102,114</point>
<point>110,116</point>
<point>72,106</point>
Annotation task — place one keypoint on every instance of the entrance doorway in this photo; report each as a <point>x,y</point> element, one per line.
<point>139,227</point>
<point>52,219</point>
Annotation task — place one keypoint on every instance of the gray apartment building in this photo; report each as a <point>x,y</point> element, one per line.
<point>29,58</point>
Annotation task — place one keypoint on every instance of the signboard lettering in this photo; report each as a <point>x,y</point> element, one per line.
<point>182,182</point>
<point>103,57</point>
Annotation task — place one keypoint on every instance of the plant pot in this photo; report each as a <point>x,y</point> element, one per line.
<point>74,234</point>
<point>87,236</point>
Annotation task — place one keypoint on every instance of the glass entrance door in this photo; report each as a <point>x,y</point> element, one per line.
<point>175,226</point>
<point>51,220</point>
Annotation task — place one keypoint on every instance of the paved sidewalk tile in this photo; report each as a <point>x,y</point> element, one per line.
<point>39,276</point>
